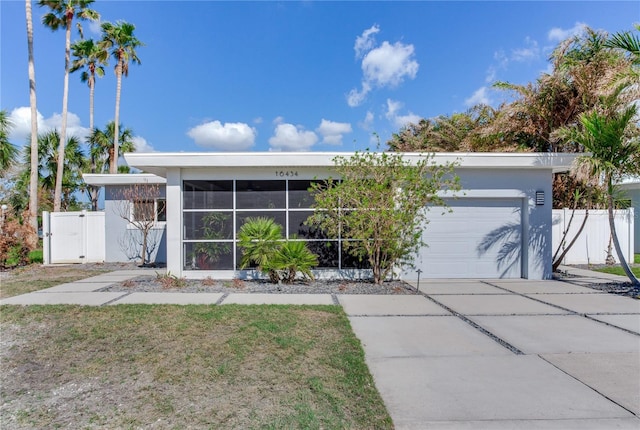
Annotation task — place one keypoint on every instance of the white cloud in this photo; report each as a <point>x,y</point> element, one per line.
<point>278,120</point>
<point>558,34</point>
<point>142,145</point>
<point>393,107</point>
<point>21,120</point>
<point>230,136</point>
<point>480,96</point>
<point>387,65</point>
<point>332,131</point>
<point>258,120</point>
<point>288,137</point>
<point>365,42</point>
<point>367,123</point>
<point>531,51</point>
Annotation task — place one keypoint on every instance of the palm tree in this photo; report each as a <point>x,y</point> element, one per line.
<point>61,16</point>
<point>120,40</point>
<point>32,238</point>
<point>47,170</point>
<point>627,42</point>
<point>614,143</point>
<point>91,57</point>
<point>8,151</point>
<point>101,151</point>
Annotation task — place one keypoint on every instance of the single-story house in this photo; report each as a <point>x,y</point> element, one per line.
<point>631,188</point>
<point>500,226</point>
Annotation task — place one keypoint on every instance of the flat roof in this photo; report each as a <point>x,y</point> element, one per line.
<point>100,180</point>
<point>158,162</point>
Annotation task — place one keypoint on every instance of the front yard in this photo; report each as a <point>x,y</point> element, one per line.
<point>223,367</point>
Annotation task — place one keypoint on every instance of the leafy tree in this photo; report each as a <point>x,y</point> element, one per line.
<point>380,204</point>
<point>121,42</point>
<point>8,151</point>
<point>32,237</point>
<point>613,142</point>
<point>61,16</point>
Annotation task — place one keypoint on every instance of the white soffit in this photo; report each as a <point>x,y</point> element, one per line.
<point>158,163</point>
<point>100,180</point>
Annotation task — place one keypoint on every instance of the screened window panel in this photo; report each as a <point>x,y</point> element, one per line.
<point>351,262</point>
<point>299,195</point>
<point>327,253</point>
<point>208,256</point>
<point>208,225</point>
<point>280,217</point>
<point>298,228</point>
<point>260,194</point>
<point>207,194</point>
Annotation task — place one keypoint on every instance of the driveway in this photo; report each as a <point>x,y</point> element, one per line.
<point>504,354</point>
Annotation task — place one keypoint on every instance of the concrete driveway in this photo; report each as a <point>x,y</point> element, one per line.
<point>504,354</point>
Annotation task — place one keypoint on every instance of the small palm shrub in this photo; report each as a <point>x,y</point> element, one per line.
<point>263,247</point>
<point>293,257</point>
<point>260,238</point>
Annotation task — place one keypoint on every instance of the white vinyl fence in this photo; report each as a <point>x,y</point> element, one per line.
<point>591,246</point>
<point>73,237</point>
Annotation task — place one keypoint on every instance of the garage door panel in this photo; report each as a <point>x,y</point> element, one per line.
<point>453,240</point>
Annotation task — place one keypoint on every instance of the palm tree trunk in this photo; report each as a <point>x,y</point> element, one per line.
<point>32,240</point>
<point>57,197</point>
<point>614,235</point>
<point>113,163</point>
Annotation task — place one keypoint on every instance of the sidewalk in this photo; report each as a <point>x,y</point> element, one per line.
<point>468,354</point>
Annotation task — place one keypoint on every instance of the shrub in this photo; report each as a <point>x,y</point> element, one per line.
<point>293,257</point>
<point>262,246</point>
<point>168,280</point>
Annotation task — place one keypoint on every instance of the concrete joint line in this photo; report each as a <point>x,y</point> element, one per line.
<point>569,311</point>
<point>478,327</point>
<point>334,299</point>
<point>532,298</point>
<point>589,386</point>
<point>222,299</point>
<point>115,300</point>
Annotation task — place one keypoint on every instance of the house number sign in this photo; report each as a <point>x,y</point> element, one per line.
<point>283,173</point>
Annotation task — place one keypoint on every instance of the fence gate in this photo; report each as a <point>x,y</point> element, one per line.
<point>73,237</point>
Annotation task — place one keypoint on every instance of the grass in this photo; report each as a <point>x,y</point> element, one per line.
<point>37,277</point>
<point>223,367</point>
<point>618,270</point>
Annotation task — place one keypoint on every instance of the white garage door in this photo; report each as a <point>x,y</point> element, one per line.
<point>481,238</point>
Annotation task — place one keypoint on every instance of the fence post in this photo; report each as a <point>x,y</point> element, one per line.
<point>46,238</point>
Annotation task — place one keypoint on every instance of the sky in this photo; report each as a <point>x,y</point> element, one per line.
<point>292,76</point>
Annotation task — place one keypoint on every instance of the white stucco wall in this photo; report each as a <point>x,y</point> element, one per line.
<point>122,240</point>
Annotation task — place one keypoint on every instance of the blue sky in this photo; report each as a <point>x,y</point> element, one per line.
<point>313,76</point>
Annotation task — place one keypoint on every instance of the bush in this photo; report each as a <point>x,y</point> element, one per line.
<point>262,246</point>
<point>13,247</point>
<point>36,256</point>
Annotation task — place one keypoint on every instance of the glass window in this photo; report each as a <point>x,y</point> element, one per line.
<point>208,256</point>
<point>208,225</point>
<point>161,210</point>
<point>260,194</point>
<point>208,194</point>
<point>299,195</point>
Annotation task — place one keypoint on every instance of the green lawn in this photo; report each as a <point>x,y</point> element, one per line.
<point>617,270</point>
<point>222,367</point>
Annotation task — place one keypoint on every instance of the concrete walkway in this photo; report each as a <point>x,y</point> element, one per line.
<point>468,354</point>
